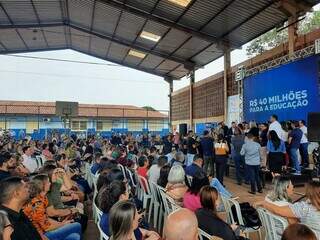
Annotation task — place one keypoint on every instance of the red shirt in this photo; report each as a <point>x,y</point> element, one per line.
<point>142,171</point>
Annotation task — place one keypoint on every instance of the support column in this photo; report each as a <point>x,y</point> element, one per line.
<point>292,33</point>
<point>192,80</point>
<point>170,81</point>
<point>227,66</point>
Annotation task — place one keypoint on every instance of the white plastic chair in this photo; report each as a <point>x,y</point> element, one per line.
<point>168,202</point>
<point>273,225</point>
<point>146,198</point>
<point>203,235</point>
<point>228,203</point>
<point>95,193</point>
<point>103,236</point>
<point>122,170</point>
<point>156,203</point>
<point>131,178</point>
<point>189,179</point>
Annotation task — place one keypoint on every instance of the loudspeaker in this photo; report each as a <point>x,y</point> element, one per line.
<point>183,129</point>
<point>314,127</point>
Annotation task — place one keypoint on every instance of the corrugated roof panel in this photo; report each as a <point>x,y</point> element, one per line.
<point>191,47</point>
<point>33,38</point>
<point>117,51</point>
<point>154,28</point>
<point>145,5</point>
<point>172,40</point>
<point>132,60</point>
<point>11,40</point>
<point>208,55</point>
<point>55,36</point>
<point>105,18</point>
<point>237,12</point>
<point>151,61</point>
<point>179,72</point>
<point>169,10</point>
<point>3,18</point>
<point>79,40</point>
<point>99,46</point>
<point>49,11</point>
<point>201,12</point>
<point>129,26</point>
<point>80,12</point>
<point>167,66</point>
<point>20,12</point>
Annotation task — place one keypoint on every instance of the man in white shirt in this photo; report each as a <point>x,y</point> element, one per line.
<point>29,162</point>
<point>154,171</point>
<point>304,144</point>
<point>276,126</point>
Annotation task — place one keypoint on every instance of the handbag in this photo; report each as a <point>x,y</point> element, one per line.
<point>249,214</point>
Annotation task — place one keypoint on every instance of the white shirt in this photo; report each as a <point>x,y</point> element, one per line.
<point>304,138</point>
<point>276,126</point>
<point>154,173</point>
<point>30,163</point>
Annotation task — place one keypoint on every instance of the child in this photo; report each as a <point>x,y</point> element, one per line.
<point>251,152</point>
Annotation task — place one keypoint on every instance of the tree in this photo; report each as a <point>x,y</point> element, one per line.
<point>149,108</point>
<point>274,37</point>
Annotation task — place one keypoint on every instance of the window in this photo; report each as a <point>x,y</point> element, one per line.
<point>31,126</point>
<point>105,125</point>
<point>79,125</point>
<point>135,125</point>
<point>155,125</point>
<point>2,125</point>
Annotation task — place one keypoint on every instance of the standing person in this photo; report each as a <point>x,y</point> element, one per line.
<point>176,140</point>
<point>221,150</point>
<point>263,142</point>
<point>304,144</point>
<point>276,126</point>
<point>295,137</point>
<point>191,148</point>
<point>251,152</point>
<point>276,150</point>
<point>236,143</point>
<point>207,145</point>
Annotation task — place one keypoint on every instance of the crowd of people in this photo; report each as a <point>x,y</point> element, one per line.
<point>47,199</point>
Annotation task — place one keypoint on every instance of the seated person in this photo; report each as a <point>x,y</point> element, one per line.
<point>180,223</point>
<point>36,207</point>
<point>97,163</point>
<point>107,198</point>
<point>307,212</point>
<point>7,163</point>
<point>154,171</point>
<point>207,216</point>
<point>6,228</point>
<point>163,178</point>
<point>298,232</point>
<point>178,159</point>
<point>143,166</point>
<point>191,199</point>
<point>14,194</point>
<point>176,186</point>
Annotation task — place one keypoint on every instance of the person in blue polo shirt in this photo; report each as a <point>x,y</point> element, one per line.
<point>295,137</point>
<point>207,145</point>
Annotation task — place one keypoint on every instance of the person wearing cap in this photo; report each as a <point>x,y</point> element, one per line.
<point>6,162</point>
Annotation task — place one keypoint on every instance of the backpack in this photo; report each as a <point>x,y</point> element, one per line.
<point>249,214</point>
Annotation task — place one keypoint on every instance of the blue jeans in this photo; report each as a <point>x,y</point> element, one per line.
<point>253,171</point>
<point>71,231</point>
<point>304,153</point>
<point>295,159</point>
<point>240,168</point>
<point>221,189</point>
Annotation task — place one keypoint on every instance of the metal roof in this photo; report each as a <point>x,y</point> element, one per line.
<point>191,36</point>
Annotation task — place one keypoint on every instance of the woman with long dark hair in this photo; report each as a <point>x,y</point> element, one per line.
<point>276,150</point>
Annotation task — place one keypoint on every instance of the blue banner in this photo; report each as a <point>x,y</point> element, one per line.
<point>289,91</point>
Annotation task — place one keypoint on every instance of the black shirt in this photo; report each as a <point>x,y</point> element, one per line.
<point>23,228</point>
<point>213,225</point>
<point>4,174</point>
<point>190,143</point>
<point>264,138</point>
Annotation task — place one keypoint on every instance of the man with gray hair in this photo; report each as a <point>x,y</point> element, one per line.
<point>181,224</point>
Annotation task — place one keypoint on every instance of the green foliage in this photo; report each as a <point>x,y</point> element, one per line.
<point>149,108</point>
<point>274,38</point>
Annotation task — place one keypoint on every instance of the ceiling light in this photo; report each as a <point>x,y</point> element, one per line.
<point>150,36</point>
<point>137,54</point>
<point>182,3</point>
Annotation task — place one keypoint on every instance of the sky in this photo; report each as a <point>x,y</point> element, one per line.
<point>42,80</point>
